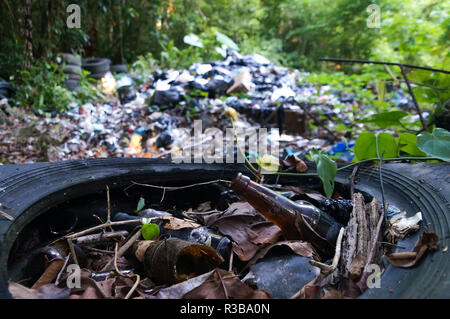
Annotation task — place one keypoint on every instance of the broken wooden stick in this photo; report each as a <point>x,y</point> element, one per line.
<point>100,238</point>
<point>329,269</point>
<point>123,250</point>
<point>7,216</point>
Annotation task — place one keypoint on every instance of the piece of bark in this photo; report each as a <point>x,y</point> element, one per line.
<point>360,234</point>
<point>100,238</point>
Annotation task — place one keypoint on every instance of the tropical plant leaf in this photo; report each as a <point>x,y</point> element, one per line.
<point>386,143</point>
<point>222,38</point>
<point>326,169</point>
<point>408,144</point>
<point>365,146</point>
<point>436,144</point>
<point>386,119</point>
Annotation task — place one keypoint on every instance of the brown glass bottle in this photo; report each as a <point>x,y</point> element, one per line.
<point>297,220</point>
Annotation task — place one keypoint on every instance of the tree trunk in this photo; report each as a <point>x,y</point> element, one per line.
<point>26,31</point>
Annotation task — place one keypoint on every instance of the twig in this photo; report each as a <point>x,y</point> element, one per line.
<point>413,96</point>
<point>223,286</point>
<point>109,204</point>
<point>138,278</point>
<point>72,250</point>
<point>171,189</point>
<point>381,184</point>
<point>230,268</point>
<point>62,269</point>
<point>328,269</point>
<point>98,250</point>
<point>203,213</point>
<point>352,180</point>
<point>123,249</point>
<point>105,225</point>
<point>7,216</point>
<point>97,238</point>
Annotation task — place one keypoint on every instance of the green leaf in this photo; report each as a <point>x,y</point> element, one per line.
<point>140,205</point>
<point>386,143</point>
<point>408,144</point>
<point>222,38</point>
<point>150,231</point>
<point>386,119</point>
<point>436,144</point>
<point>365,146</point>
<point>326,169</point>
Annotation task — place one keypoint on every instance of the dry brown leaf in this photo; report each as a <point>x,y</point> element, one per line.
<point>179,290</point>
<point>427,241</point>
<point>222,284</point>
<point>301,248</point>
<point>264,233</point>
<point>293,163</point>
<point>177,223</point>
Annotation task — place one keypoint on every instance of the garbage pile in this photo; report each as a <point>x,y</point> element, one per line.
<point>144,121</point>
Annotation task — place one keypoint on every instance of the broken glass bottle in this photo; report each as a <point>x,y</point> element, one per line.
<point>298,221</point>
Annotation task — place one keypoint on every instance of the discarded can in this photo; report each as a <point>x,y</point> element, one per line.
<point>173,260</point>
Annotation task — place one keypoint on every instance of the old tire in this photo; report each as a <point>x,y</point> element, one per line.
<point>96,65</point>
<point>119,68</point>
<point>30,190</point>
<point>71,59</point>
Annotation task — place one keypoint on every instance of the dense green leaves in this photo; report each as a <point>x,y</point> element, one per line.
<point>326,169</point>
<point>436,144</point>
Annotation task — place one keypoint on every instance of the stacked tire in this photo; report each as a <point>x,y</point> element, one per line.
<point>72,69</point>
<point>97,67</point>
<point>119,69</point>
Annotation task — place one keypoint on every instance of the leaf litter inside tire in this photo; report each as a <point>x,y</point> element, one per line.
<point>254,240</point>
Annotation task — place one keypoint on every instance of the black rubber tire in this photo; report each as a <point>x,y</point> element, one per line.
<point>97,76</point>
<point>72,85</point>
<point>75,77</point>
<point>72,69</point>
<point>96,65</point>
<point>6,89</point>
<point>119,68</point>
<point>413,188</point>
<point>71,59</point>
<point>420,187</point>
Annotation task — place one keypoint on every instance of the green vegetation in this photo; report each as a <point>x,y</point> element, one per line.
<point>291,32</point>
